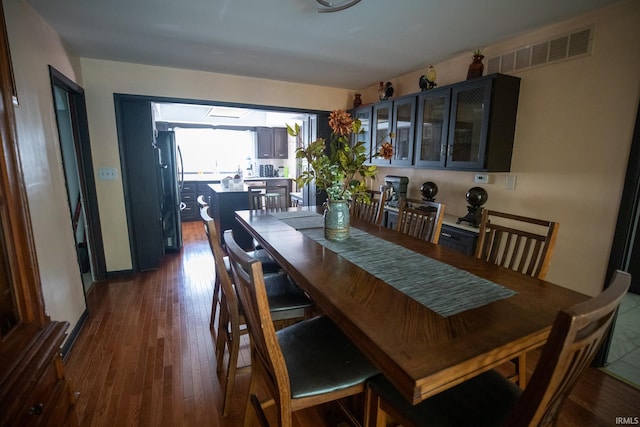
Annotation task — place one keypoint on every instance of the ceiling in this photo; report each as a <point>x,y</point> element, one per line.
<point>289,40</point>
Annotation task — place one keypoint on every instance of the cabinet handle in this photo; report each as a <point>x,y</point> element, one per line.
<point>36,409</point>
<point>451,236</point>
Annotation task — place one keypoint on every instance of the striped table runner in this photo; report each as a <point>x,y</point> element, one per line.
<point>442,288</point>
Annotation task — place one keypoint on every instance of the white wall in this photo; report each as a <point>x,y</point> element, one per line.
<point>34,45</point>
<point>573,135</point>
<point>104,78</point>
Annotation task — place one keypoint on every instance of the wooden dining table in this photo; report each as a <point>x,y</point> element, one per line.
<point>420,350</point>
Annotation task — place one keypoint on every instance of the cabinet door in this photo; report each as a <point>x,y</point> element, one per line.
<point>432,128</point>
<point>382,115</point>
<point>364,115</point>
<point>264,146</point>
<point>469,121</point>
<point>280,143</point>
<point>404,113</point>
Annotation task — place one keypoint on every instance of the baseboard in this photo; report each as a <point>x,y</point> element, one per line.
<point>71,339</point>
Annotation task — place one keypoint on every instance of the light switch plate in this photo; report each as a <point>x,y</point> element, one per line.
<point>107,174</point>
<point>510,182</point>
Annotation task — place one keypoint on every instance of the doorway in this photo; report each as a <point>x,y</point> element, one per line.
<point>71,119</point>
<point>621,353</point>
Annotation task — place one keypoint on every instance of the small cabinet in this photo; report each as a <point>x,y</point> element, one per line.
<point>272,143</point>
<point>397,117</point>
<point>188,198</point>
<point>458,239</point>
<point>469,125</point>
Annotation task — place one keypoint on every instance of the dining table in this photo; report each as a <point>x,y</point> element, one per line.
<point>427,316</point>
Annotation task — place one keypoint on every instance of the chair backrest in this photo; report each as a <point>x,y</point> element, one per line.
<point>516,242</point>
<point>266,355</point>
<point>575,337</point>
<point>202,201</point>
<point>371,211</point>
<point>204,215</point>
<point>228,298</point>
<point>421,219</point>
<point>269,197</point>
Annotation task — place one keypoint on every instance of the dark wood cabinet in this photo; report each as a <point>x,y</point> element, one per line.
<point>468,125</point>
<point>272,143</point>
<point>459,239</point>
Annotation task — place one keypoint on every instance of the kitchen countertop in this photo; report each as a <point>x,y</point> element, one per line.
<point>209,177</point>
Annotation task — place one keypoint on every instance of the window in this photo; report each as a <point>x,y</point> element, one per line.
<point>215,150</point>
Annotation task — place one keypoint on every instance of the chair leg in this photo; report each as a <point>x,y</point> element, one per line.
<point>374,416</point>
<point>234,348</point>
<point>215,302</point>
<point>521,369</point>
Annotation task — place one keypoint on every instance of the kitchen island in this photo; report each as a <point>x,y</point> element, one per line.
<point>224,202</point>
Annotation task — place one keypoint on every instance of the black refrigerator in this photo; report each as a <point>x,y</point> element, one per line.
<point>170,181</point>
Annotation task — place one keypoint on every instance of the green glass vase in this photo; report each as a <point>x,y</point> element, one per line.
<point>336,220</point>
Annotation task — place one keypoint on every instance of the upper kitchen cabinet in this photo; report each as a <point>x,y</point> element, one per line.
<point>432,128</point>
<point>397,117</point>
<point>364,115</point>
<point>272,143</point>
<point>469,125</point>
<point>404,113</point>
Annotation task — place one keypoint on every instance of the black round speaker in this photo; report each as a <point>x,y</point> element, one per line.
<point>477,196</point>
<point>429,190</point>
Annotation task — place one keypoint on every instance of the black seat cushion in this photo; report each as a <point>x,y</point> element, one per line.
<point>321,359</point>
<point>283,293</point>
<point>482,401</point>
<point>269,265</point>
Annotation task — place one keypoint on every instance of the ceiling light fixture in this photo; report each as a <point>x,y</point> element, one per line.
<point>335,6</point>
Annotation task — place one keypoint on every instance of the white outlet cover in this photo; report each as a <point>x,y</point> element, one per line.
<point>510,182</point>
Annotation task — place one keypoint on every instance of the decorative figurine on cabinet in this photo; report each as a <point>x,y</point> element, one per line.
<point>388,91</point>
<point>476,197</point>
<point>381,95</point>
<point>357,100</point>
<point>428,81</point>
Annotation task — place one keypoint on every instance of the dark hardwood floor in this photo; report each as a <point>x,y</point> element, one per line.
<point>146,357</point>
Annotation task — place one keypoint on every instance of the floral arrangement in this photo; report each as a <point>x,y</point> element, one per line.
<point>342,171</point>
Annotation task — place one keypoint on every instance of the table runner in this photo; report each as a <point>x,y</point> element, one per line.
<point>445,289</point>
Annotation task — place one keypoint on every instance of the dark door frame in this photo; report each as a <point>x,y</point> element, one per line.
<point>626,227</point>
<point>86,175</point>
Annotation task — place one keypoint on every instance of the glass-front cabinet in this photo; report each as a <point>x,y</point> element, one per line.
<point>395,118</point>
<point>381,128</point>
<point>404,113</point>
<point>432,128</point>
<point>467,127</point>
<point>364,115</point>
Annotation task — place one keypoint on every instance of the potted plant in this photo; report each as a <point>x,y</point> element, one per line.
<point>341,171</point>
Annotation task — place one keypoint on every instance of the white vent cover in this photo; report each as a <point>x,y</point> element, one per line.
<point>560,48</point>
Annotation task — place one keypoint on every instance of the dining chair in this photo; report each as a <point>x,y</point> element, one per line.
<point>420,218</point>
<point>519,243</point>
<point>370,211</point>
<point>306,364</point>
<point>270,198</point>
<point>489,399</point>
<point>287,303</point>
<point>202,202</point>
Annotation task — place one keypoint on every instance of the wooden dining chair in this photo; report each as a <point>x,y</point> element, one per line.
<point>271,198</point>
<point>307,364</point>
<point>491,400</point>
<point>421,219</point>
<point>286,301</point>
<point>519,243</point>
<point>372,210</point>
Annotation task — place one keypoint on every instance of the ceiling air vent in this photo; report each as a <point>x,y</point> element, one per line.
<point>559,48</point>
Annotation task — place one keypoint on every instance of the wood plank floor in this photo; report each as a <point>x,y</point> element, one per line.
<point>146,356</point>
